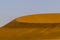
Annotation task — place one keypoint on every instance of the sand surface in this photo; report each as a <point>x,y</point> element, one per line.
<point>32,27</point>
<point>40,18</point>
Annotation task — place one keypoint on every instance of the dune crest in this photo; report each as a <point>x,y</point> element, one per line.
<point>37,20</point>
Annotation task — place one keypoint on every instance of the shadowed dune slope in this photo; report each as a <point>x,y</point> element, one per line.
<point>32,27</point>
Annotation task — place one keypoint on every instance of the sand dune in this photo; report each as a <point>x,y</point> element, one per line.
<point>32,27</point>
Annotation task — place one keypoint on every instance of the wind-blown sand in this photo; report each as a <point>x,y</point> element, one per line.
<point>32,27</point>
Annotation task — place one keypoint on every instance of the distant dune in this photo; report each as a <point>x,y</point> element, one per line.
<point>32,27</point>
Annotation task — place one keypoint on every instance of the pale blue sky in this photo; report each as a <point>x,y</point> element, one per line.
<point>10,9</point>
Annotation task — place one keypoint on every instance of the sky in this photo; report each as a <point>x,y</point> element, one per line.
<point>11,9</point>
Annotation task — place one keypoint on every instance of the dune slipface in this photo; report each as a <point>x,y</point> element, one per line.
<point>32,27</point>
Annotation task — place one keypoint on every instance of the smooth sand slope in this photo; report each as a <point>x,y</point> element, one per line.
<point>32,27</point>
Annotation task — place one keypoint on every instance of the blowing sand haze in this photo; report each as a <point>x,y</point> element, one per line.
<point>32,27</point>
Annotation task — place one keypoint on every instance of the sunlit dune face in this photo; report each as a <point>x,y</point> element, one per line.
<point>40,18</point>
